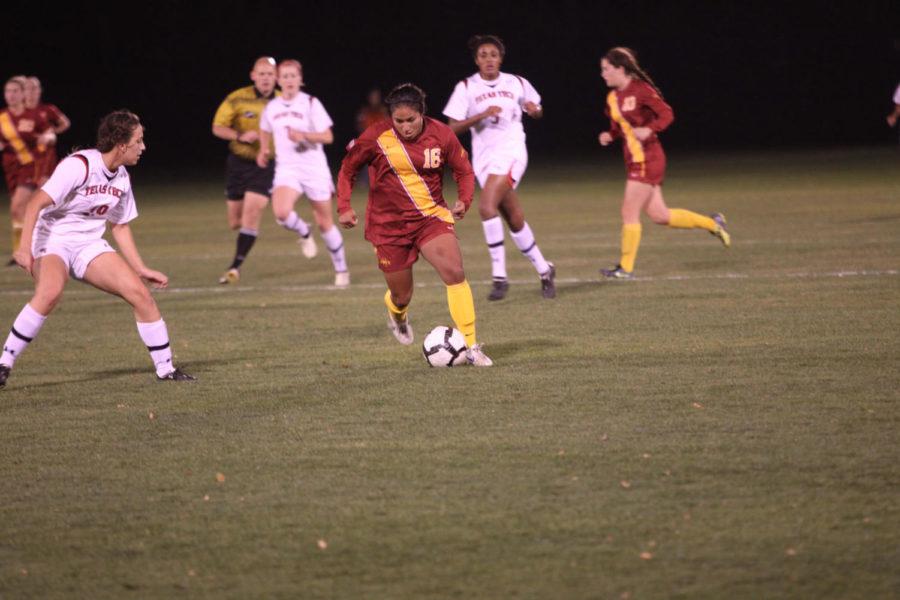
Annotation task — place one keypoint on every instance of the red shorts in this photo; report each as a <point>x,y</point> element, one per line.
<point>18,175</point>
<point>401,254</point>
<point>653,171</point>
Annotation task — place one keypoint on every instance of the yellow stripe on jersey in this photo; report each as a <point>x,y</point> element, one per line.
<point>634,145</point>
<point>412,182</point>
<point>12,136</point>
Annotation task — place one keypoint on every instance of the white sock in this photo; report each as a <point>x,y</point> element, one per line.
<point>334,241</point>
<point>156,338</point>
<point>524,240</point>
<point>493,235</point>
<point>24,329</point>
<point>296,224</point>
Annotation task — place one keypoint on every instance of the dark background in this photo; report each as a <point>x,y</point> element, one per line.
<point>739,75</point>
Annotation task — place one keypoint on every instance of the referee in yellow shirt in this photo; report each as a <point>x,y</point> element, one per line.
<point>247,186</point>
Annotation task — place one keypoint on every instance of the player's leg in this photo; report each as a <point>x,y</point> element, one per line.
<point>397,299</point>
<point>110,273</point>
<point>50,277</point>
<point>521,233</point>
<point>17,204</point>
<point>492,224</point>
<point>248,220</point>
<point>331,235</point>
<point>283,200</point>
<point>637,195</point>
<point>680,218</point>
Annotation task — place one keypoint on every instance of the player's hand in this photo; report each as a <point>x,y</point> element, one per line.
<point>642,133</point>
<point>48,138</point>
<point>262,159</point>
<point>296,136</point>
<point>24,259</point>
<point>532,109</point>
<point>248,137</point>
<point>891,120</point>
<point>348,219</point>
<point>459,210</point>
<point>605,138</point>
<point>492,111</point>
<point>156,279</point>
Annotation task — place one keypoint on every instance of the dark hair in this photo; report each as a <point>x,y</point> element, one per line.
<point>626,58</point>
<point>408,94</point>
<point>477,41</point>
<point>116,128</point>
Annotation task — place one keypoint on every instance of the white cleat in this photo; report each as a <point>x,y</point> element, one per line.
<point>402,331</point>
<point>308,246</point>
<point>342,279</point>
<point>476,357</point>
<point>230,277</point>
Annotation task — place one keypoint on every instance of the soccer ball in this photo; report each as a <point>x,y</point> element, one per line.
<point>444,347</point>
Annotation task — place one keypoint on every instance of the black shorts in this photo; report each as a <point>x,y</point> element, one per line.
<point>242,175</point>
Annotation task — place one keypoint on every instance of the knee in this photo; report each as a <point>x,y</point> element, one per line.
<point>139,297</point>
<point>454,275</point>
<point>281,214</point>
<point>45,301</point>
<point>660,217</point>
<point>486,211</point>
<point>234,225</point>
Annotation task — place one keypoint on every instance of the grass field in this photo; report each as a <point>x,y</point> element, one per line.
<point>724,425</point>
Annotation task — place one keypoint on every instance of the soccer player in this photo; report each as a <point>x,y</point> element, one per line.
<point>63,236</point>
<point>300,126</point>
<point>490,104</point>
<point>247,185</point>
<point>22,131</point>
<point>637,114</point>
<point>406,213</point>
<point>46,159</point>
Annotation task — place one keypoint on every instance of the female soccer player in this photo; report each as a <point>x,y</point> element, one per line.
<point>406,214</point>
<point>63,236</point>
<point>57,121</point>
<point>300,126</point>
<point>637,113</point>
<point>490,104</point>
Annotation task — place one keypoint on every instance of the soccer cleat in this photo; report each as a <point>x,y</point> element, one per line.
<point>4,374</point>
<point>403,331</point>
<point>548,285</point>
<point>176,375</point>
<point>721,232</point>
<point>476,357</point>
<point>308,246</point>
<point>342,279</point>
<point>499,289</point>
<point>616,272</point>
<point>230,276</point>
<point>12,263</point>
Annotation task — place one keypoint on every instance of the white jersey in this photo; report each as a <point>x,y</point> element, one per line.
<point>503,133</point>
<point>302,113</point>
<point>85,196</point>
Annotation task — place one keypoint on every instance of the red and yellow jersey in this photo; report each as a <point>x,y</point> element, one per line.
<point>51,114</point>
<point>405,178</point>
<point>19,134</point>
<point>638,105</point>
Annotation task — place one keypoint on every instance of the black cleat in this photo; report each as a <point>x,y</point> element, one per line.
<point>4,375</point>
<point>616,272</point>
<point>176,375</point>
<point>548,285</point>
<point>499,289</point>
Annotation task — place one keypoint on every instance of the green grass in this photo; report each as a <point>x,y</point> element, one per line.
<point>732,413</point>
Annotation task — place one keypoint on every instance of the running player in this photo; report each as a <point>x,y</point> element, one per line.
<point>406,213</point>
<point>47,158</point>
<point>300,126</point>
<point>490,104</point>
<point>637,114</point>
<point>63,236</point>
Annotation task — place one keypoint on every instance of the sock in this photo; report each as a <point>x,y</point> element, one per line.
<point>24,329</point>
<point>631,239</point>
<point>398,314</point>
<point>295,223</point>
<point>680,218</point>
<point>462,310</point>
<point>156,338</point>
<point>493,235</point>
<point>245,241</point>
<point>16,236</point>
<point>334,241</point>
<point>524,240</point>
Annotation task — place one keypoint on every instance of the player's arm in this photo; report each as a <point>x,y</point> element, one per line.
<point>531,100</point>
<point>458,160</point>
<point>265,143</point>
<point>125,241</point>
<point>312,137</point>
<point>664,113</point>
<point>894,116</point>
<point>464,125</point>
<point>359,154</point>
<point>61,122</point>
<point>457,107</point>
<point>38,201</point>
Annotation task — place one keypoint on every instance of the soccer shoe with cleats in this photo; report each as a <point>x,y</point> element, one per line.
<point>476,357</point>
<point>4,375</point>
<point>402,330</point>
<point>342,279</point>
<point>498,289</point>
<point>231,276</point>
<point>308,246</point>
<point>721,231</point>
<point>616,272</point>
<point>176,375</point>
<point>548,283</point>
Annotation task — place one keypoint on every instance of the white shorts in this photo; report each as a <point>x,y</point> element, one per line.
<point>76,252</point>
<point>317,187</point>
<point>512,166</point>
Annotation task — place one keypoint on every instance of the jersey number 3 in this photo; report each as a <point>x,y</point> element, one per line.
<point>432,158</point>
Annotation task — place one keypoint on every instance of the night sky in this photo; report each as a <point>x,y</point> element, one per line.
<point>738,75</point>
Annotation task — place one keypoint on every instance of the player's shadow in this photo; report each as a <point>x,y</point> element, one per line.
<point>193,367</point>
